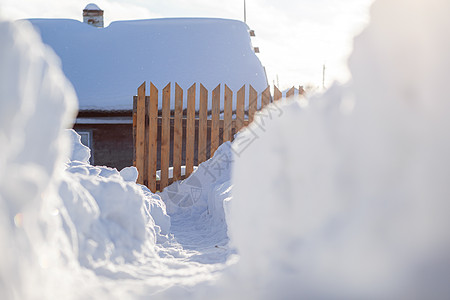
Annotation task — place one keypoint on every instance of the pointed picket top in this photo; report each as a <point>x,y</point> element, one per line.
<point>277,95</point>
<point>290,93</point>
<point>167,87</point>
<point>265,97</point>
<point>301,90</point>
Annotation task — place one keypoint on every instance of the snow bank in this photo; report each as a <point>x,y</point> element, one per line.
<point>36,103</point>
<point>109,214</point>
<point>346,196</point>
<point>107,65</point>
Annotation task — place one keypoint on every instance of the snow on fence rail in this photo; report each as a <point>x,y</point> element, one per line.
<point>186,135</point>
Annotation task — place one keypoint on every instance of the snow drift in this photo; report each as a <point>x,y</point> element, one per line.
<point>36,103</point>
<point>353,199</point>
<point>107,214</point>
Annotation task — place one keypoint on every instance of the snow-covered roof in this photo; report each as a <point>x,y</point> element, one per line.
<point>106,66</point>
<point>92,6</point>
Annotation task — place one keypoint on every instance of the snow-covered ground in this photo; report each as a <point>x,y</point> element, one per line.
<point>342,196</point>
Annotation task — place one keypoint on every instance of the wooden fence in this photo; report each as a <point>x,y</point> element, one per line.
<point>183,135</point>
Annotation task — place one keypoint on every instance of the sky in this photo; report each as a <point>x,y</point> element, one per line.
<point>296,38</point>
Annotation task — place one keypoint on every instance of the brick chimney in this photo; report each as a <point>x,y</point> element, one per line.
<point>93,15</point>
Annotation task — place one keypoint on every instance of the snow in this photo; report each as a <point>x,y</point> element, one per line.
<point>342,196</point>
<point>80,152</point>
<point>106,66</point>
<point>351,201</point>
<point>36,103</point>
<point>183,172</point>
<point>92,6</point>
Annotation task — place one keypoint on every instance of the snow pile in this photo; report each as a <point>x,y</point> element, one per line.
<point>107,214</point>
<point>80,152</point>
<point>107,65</point>
<point>36,103</point>
<point>349,198</point>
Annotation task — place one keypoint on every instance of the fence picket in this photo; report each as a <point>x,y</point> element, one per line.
<point>265,97</point>
<point>215,116</point>
<point>227,114</point>
<point>301,90</point>
<point>252,103</point>
<point>240,109</point>
<point>165,138</point>
<point>290,93</point>
<point>177,133</point>
<point>152,137</point>
<point>140,133</point>
<point>202,125</point>
<point>190,130</point>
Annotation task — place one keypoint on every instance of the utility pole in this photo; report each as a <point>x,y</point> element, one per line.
<point>245,13</point>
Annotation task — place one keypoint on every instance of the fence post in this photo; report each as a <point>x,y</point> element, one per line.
<point>134,128</point>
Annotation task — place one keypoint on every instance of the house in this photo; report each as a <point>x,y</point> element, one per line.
<point>106,65</point>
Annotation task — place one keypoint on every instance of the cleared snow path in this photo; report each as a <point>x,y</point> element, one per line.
<point>195,206</point>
